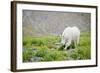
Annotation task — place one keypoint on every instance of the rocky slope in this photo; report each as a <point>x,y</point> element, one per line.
<point>44,23</point>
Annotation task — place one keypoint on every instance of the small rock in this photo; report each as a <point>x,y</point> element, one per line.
<point>35,59</point>
<point>34,49</point>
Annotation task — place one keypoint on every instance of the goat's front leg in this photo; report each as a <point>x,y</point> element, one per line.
<point>67,44</point>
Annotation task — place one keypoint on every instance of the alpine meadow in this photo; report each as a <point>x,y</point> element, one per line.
<point>42,32</point>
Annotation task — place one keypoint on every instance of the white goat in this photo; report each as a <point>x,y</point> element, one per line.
<point>70,35</point>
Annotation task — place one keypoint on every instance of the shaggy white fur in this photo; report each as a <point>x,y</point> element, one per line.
<point>69,36</point>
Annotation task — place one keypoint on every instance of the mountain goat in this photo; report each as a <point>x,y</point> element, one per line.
<point>70,36</point>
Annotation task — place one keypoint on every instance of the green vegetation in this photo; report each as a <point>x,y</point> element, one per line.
<point>36,49</point>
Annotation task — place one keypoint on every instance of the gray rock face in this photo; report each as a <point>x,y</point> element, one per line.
<point>43,23</point>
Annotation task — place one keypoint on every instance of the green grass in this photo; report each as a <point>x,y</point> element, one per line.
<point>48,50</point>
